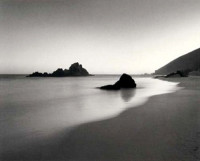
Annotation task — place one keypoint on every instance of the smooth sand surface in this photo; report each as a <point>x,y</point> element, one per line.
<point>166,128</point>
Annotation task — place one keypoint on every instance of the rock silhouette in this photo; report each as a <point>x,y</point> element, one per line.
<point>186,63</point>
<point>173,75</point>
<point>75,69</point>
<point>125,81</point>
<point>176,74</point>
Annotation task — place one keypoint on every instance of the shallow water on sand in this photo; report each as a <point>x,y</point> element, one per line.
<point>31,108</point>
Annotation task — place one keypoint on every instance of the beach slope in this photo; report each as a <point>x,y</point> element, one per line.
<point>166,128</point>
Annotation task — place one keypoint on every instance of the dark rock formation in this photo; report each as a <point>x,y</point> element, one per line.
<point>58,73</point>
<point>175,74</point>
<point>75,69</point>
<point>38,74</point>
<point>125,81</point>
<point>110,87</point>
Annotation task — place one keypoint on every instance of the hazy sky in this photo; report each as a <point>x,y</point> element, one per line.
<point>106,36</point>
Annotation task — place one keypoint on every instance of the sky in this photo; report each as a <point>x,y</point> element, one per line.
<point>105,36</point>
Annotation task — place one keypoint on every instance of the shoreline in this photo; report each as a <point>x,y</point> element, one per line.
<point>165,128</point>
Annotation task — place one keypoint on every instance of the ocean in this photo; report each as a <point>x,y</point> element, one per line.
<point>32,108</point>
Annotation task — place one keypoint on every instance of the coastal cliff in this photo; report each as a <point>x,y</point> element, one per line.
<point>186,63</point>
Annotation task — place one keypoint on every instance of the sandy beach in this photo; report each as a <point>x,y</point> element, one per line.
<point>166,128</point>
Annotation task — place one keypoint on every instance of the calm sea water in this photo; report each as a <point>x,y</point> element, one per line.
<point>37,107</point>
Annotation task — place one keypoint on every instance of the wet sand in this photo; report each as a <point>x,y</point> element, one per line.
<point>166,128</point>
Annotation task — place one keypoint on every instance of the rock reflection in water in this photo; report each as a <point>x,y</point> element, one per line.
<point>127,94</point>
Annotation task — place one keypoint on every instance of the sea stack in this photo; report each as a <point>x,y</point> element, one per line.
<point>125,81</point>
<point>75,69</point>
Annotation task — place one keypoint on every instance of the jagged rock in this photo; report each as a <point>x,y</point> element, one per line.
<point>58,73</point>
<point>75,69</point>
<point>36,74</point>
<point>125,81</point>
